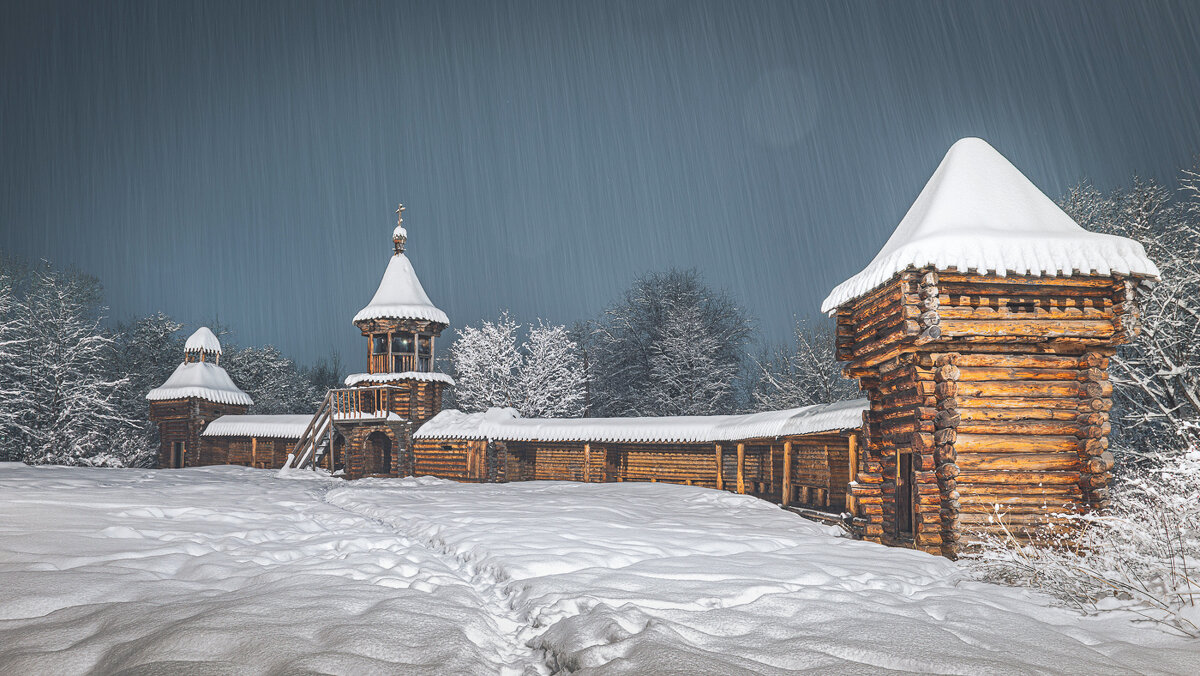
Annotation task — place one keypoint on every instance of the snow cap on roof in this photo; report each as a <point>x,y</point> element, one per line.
<point>505,424</point>
<point>979,212</point>
<point>424,376</point>
<point>203,380</point>
<point>266,426</point>
<point>401,296</point>
<point>203,340</point>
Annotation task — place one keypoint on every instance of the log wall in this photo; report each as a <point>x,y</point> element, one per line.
<point>183,420</point>
<point>819,464</point>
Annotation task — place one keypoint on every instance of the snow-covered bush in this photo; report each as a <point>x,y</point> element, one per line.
<point>1142,555</point>
<point>542,377</point>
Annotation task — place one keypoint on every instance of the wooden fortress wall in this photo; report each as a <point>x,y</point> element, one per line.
<point>994,390</point>
<point>818,464</point>
<point>261,452</point>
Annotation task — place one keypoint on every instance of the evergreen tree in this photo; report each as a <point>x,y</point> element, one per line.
<point>637,338</point>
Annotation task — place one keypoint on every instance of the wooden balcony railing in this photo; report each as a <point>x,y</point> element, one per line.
<point>362,402</point>
<point>399,363</point>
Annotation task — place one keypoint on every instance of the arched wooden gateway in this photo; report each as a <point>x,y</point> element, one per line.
<point>980,333</point>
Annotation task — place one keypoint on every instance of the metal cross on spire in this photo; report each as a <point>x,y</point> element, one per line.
<point>400,215</point>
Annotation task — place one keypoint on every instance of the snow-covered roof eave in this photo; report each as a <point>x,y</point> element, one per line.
<point>262,426</point>
<point>384,378</point>
<point>202,380</point>
<point>505,425</point>
<point>980,213</point>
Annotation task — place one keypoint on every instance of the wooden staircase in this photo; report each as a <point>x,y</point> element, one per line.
<point>317,437</point>
<point>345,405</point>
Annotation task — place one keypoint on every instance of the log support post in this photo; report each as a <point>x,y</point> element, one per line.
<point>587,463</point>
<point>741,468</point>
<point>720,470</point>
<point>786,498</point>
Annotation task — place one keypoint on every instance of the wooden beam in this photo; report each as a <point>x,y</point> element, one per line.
<point>720,470</point>
<point>254,451</point>
<point>587,462</point>
<point>787,473</point>
<point>741,468</point>
<point>852,442</point>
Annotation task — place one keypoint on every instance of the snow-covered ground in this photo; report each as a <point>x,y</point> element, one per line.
<point>244,571</point>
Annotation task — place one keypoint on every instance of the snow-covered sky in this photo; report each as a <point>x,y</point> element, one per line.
<point>241,162</point>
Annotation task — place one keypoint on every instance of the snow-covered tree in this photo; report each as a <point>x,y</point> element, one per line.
<point>272,380</point>
<point>145,352</point>
<point>12,389</point>
<point>802,374</point>
<point>486,365</point>
<point>70,397</point>
<point>1157,377</point>
<point>551,377</point>
<point>637,337</point>
<point>686,375</point>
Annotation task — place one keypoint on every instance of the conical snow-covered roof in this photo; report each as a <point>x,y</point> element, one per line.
<point>203,340</point>
<point>401,296</point>
<point>203,380</point>
<point>979,212</point>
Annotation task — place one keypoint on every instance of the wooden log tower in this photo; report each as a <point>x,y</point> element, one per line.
<point>989,393</point>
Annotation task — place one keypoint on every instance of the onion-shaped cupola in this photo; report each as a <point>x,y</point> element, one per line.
<point>400,323</point>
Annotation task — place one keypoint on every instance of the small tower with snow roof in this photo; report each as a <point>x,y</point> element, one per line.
<point>981,333</point>
<point>366,428</point>
<point>197,392</point>
<point>401,326</point>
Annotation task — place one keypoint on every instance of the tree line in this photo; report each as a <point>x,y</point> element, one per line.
<point>671,345</point>
<point>73,391</point>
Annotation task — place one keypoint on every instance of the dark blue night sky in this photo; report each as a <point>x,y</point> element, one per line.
<point>241,162</point>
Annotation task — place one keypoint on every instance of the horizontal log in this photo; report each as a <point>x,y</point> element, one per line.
<point>1017,478</point>
<point>971,278</point>
<point>1038,427</point>
<point>1014,443</point>
<point>1016,373</point>
<point>1051,328</point>
<point>984,500</point>
<point>1045,312</point>
<point>1028,462</point>
<point>1060,389</point>
<point>980,415</point>
<point>988,360</point>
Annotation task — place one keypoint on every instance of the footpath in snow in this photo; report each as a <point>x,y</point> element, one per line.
<point>235,570</point>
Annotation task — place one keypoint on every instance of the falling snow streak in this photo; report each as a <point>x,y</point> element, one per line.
<point>239,162</point>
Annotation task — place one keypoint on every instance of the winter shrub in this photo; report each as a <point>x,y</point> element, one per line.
<point>1142,555</point>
